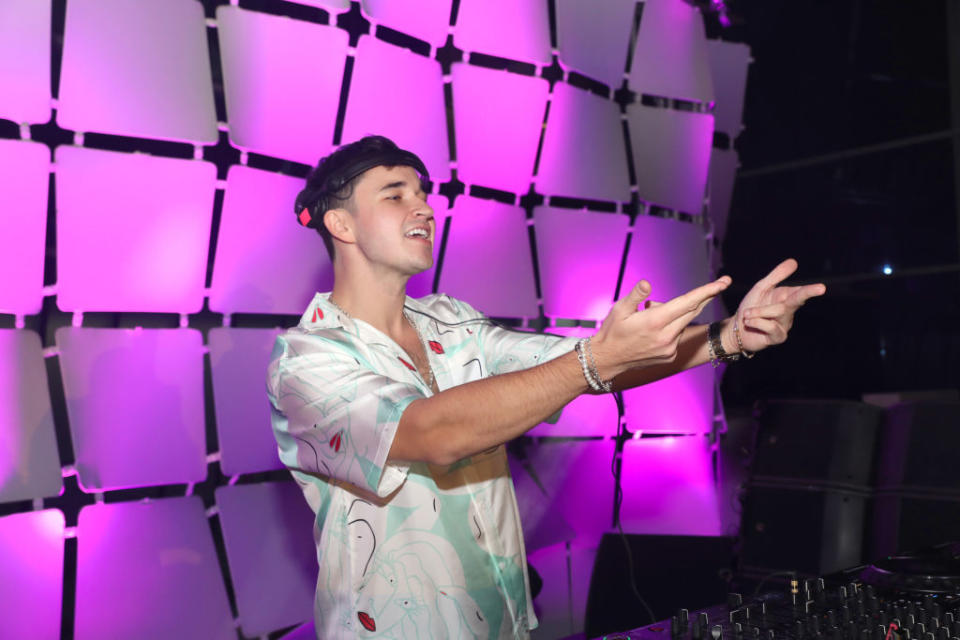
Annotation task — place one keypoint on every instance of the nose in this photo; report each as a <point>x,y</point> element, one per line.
<point>425,211</point>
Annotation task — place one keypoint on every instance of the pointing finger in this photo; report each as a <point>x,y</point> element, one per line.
<point>780,273</point>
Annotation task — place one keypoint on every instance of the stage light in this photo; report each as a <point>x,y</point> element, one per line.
<point>887,270</point>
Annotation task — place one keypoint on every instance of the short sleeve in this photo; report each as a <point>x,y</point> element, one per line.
<point>333,414</point>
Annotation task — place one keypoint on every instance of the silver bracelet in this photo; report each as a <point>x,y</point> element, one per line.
<point>606,386</point>
<point>736,332</point>
<point>586,369</point>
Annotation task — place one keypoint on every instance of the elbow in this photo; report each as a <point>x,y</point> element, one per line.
<point>420,438</point>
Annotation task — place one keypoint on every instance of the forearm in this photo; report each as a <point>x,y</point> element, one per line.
<point>478,415</point>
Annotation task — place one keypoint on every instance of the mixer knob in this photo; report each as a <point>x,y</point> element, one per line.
<point>942,633</point>
<point>734,600</point>
<point>737,630</point>
<point>684,617</point>
<point>716,632</point>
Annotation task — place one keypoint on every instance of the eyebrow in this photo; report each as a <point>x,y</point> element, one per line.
<point>401,183</point>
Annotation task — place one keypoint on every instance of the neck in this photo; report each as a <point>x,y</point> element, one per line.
<point>377,299</point>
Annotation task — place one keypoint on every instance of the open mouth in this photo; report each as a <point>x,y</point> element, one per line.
<point>419,233</point>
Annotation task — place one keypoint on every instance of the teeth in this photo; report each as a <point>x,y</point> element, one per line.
<point>418,233</point>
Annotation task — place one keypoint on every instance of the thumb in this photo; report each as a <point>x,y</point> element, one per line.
<point>636,296</point>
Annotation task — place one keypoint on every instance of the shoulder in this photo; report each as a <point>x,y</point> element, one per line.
<point>444,307</point>
<point>328,343</point>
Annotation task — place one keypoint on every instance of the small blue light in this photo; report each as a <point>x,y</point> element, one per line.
<point>887,269</point>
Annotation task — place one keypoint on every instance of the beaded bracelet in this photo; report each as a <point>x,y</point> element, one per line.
<point>715,346</point>
<point>736,332</point>
<point>590,372</point>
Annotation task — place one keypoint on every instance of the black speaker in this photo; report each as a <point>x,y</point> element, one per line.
<point>670,572</point>
<point>920,446</point>
<point>904,523</point>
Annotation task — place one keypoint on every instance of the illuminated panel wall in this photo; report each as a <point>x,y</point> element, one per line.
<point>148,268</point>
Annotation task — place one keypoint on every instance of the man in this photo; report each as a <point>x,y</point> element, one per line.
<point>391,413</point>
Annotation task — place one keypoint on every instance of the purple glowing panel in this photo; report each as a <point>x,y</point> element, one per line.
<point>133,231</point>
<point>573,491</point>
<point>25,60</point>
<point>723,174</point>
<point>135,402</point>
<point>729,62</point>
<point>582,559</point>
<point>25,167</point>
<point>588,415</point>
<point>333,6</point>
<point>579,254</point>
<point>515,29</point>
<point>281,82</point>
<point>425,19</point>
<point>122,76</point>
<point>498,117</point>
<point>29,461</point>
<point>238,362</point>
<point>265,262</point>
<point>412,119</point>
<point>422,284</point>
<point>670,59</point>
<point>268,533</point>
<point>682,403</point>
<point>671,153</point>
<point>149,570</point>
<point>668,487</point>
<point>305,631</point>
<point>669,254</point>
<point>584,155</point>
<point>487,260</point>
<point>562,603</point>
<point>594,38</point>
<point>31,592</point>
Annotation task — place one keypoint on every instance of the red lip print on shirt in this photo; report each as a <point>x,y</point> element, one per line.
<point>317,311</point>
<point>406,364</point>
<point>368,623</point>
<point>435,346</point>
<point>335,442</point>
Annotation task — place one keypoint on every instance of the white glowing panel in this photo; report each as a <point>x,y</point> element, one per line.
<point>682,403</point>
<point>487,260</point>
<point>268,534</point>
<point>25,60</point>
<point>579,254</point>
<point>587,415</point>
<point>593,37</point>
<point>723,175</point>
<point>584,154</point>
<point>31,592</point>
<point>514,29</point>
<point>670,255</point>
<point>29,461</point>
<point>670,59</point>
<point>149,570</point>
<point>238,363</point>
<point>133,231</point>
<point>25,167</point>
<point>265,261</point>
<point>671,154</point>
<point>135,405</point>
<point>669,488</point>
<point>498,117</point>
<point>333,6</point>
<point>381,103</point>
<point>425,19</point>
<point>422,284</point>
<point>281,82</point>
<point>121,74</point>
<point>729,63</point>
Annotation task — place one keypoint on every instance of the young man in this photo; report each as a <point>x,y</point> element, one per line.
<point>391,412</point>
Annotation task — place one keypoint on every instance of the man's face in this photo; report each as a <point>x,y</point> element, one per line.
<point>393,224</point>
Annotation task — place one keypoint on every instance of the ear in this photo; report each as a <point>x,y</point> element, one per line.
<point>339,223</point>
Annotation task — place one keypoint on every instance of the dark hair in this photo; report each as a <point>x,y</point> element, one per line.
<point>330,184</point>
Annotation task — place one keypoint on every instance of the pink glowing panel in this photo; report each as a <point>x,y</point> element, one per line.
<point>29,462</point>
<point>425,19</point>
<point>422,284</point>
<point>25,167</point>
<point>133,231</point>
<point>729,62</point>
<point>588,415</point>
<point>305,631</point>
<point>487,260</point>
<point>723,175</point>
<point>268,533</point>
<point>281,82</point>
<point>670,58</point>
<point>515,29</point>
<point>682,403</point>
<point>498,117</point>
<point>669,254</point>
<point>572,490</point>
<point>25,60</point>
<point>671,153</point>
<point>579,254</point>
<point>122,76</point>
<point>31,592</point>
<point>594,38</point>
<point>238,361</point>
<point>333,6</point>
<point>381,103</point>
<point>135,404</point>
<point>149,570</point>
<point>265,261</point>
<point>669,488</point>
<point>584,152</point>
